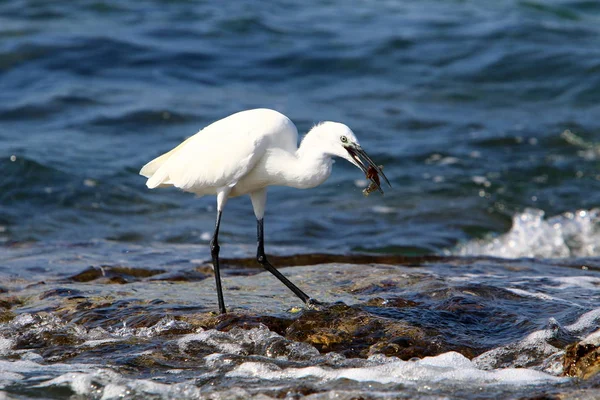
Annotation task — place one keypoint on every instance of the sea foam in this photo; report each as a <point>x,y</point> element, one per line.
<point>571,234</point>
<point>449,367</point>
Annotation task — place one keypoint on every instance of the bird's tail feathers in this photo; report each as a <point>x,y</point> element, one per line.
<point>159,179</point>
<point>156,174</point>
<point>150,169</point>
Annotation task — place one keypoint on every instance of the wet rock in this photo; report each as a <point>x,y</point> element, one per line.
<point>543,396</point>
<point>131,315</point>
<point>559,337</point>
<point>181,276</point>
<point>114,274</point>
<point>226,322</point>
<point>319,258</point>
<point>8,302</point>
<point>356,333</point>
<point>381,286</point>
<point>6,315</point>
<point>583,359</point>
<point>61,292</point>
<point>352,331</point>
<point>42,332</point>
<point>46,339</point>
<point>205,269</point>
<point>480,291</point>
<point>396,302</point>
<point>60,353</point>
<point>87,275</point>
<point>143,361</point>
<point>300,391</point>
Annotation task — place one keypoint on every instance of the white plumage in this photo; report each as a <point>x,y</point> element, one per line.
<point>247,152</point>
<point>223,153</point>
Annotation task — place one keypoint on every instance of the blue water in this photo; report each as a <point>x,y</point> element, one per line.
<point>464,102</point>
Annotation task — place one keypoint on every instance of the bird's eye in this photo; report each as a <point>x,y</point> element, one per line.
<point>344,139</point>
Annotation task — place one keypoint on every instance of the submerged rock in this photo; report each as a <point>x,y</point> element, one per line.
<point>351,331</point>
<point>347,330</point>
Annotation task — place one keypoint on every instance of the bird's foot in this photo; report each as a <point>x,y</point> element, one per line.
<point>315,304</point>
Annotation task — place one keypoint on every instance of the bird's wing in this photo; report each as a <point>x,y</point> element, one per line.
<point>223,152</point>
<point>212,158</point>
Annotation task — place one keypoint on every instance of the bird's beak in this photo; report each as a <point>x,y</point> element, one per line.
<point>358,154</point>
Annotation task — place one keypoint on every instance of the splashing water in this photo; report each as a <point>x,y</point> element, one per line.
<point>572,234</point>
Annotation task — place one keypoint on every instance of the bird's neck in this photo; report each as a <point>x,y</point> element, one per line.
<point>312,166</point>
<point>308,167</point>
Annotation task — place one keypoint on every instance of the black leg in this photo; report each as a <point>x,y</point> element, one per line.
<point>262,259</point>
<point>214,252</point>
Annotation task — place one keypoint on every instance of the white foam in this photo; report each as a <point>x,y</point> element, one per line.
<point>256,341</point>
<point>98,342</point>
<point>29,355</point>
<point>22,320</point>
<point>542,296</point>
<point>572,234</point>
<point>79,382</point>
<point>448,368</point>
<point>8,377</point>
<point>107,384</point>
<point>584,282</point>
<point>211,338</point>
<point>585,321</point>
<point>32,366</point>
<point>164,324</point>
<point>112,391</point>
<point>6,345</point>
<point>536,295</point>
<point>592,339</point>
<point>538,344</point>
<point>15,371</point>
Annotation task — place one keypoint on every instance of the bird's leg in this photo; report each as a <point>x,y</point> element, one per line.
<point>214,252</point>
<point>262,260</point>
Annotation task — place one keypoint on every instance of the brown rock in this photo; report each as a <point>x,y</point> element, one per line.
<point>356,333</point>
<point>582,359</point>
<point>114,274</point>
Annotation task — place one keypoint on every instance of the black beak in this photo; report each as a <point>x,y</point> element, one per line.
<point>358,154</point>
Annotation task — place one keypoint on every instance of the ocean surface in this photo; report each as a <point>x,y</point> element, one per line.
<point>484,114</point>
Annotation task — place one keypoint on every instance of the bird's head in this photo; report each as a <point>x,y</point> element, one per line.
<point>339,140</point>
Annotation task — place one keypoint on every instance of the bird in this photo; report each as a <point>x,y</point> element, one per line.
<point>247,152</point>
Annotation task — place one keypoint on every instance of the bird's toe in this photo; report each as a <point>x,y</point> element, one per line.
<point>315,304</point>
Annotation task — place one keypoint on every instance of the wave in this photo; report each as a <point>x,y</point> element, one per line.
<point>230,359</point>
<point>571,234</point>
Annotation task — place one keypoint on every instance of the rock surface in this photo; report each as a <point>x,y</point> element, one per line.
<point>457,317</point>
<point>583,359</point>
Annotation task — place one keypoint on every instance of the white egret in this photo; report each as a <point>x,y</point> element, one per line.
<point>245,153</point>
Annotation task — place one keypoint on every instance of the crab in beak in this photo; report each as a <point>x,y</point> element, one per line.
<point>371,170</point>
